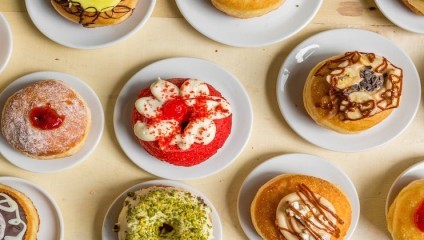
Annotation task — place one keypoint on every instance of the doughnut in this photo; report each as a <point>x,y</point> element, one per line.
<point>293,206</point>
<point>46,120</point>
<point>95,13</point>
<point>181,121</point>
<point>405,219</point>
<point>352,92</point>
<point>416,6</point>
<point>246,8</point>
<point>164,212</point>
<point>18,216</point>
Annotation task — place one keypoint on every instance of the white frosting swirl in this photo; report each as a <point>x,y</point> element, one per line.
<point>2,226</point>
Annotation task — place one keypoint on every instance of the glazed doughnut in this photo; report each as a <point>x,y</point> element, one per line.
<point>405,219</point>
<point>181,121</point>
<point>352,92</point>
<point>95,13</point>
<point>292,207</point>
<point>18,216</point>
<point>247,8</point>
<point>164,212</point>
<point>417,6</point>
<point>46,120</point>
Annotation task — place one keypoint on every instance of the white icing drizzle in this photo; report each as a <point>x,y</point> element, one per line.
<point>13,207</point>
<point>2,226</point>
<point>200,130</point>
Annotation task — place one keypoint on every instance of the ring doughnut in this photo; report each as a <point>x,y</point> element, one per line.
<point>181,121</point>
<point>164,212</point>
<point>46,120</point>
<point>95,13</point>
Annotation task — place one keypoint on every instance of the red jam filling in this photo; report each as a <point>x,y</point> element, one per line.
<point>45,118</point>
<point>419,217</point>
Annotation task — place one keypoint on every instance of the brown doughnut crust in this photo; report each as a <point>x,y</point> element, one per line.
<point>316,88</point>
<point>33,220</point>
<point>400,220</point>
<point>247,8</point>
<point>264,205</point>
<point>116,15</point>
<point>60,142</point>
<point>414,9</point>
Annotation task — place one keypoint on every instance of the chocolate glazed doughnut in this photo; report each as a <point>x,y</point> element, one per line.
<point>95,13</point>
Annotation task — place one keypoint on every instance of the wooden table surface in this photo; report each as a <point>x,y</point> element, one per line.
<point>85,192</point>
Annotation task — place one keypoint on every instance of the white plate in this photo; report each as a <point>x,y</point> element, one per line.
<point>323,45</point>
<point>93,138</point>
<point>51,220</point>
<point>299,164</point>
<point>112,214</point>
<point>6,42</point>
<point>412,173</point>
<point>400,15</point>
<point>270,28</point>
<point>73,35</point>
<point>206,71</point>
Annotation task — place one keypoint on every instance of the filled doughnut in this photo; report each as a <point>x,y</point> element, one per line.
<point>164,212</point>
<point>292,207</point>
<point>247,8</point>
<point>416,6</point>
<point>46,120</point>
<point>405,219</point>
<point>19,218</point>
<point>352,92</point>
<point>95,13</point>
<point>181,121</point>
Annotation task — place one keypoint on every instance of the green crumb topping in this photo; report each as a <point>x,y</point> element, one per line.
<point>167,213</point>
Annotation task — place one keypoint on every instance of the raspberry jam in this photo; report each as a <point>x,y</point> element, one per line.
<point>419,217</point>
<point>45,118</point>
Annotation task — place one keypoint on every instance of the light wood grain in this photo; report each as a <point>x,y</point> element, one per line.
<point>85,192</point>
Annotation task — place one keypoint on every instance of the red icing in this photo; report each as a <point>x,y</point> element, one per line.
<point>45,118</point>
<point>419,217</point>
<point>178,110</point>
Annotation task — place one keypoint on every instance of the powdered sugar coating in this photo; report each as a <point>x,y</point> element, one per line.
<point>22,135</point>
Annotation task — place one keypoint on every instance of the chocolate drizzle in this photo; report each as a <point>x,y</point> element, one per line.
<point>383,80</point>
<point>14,218</point>
<point>315,221</point>
<point>88,16</point>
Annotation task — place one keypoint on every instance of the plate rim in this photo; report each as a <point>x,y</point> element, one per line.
<point>52,201</point>
<point>9,32</point>
<point>171,183</point>
<point>30,77</point>
<point>281,83</point>
<point>205,62</point>
<point>125,36</point>
<point>249,45</point>
<point>304,157</point>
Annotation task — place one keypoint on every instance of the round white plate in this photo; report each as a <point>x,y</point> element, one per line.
<point>400,15</point>
<point>112,214</point>
<point>412,173</point>
<point>299,164</point>
<point>6,42</point>
<point>323,45</point>
<point>73,35</point>
<point>51,220</point>
<point>93,138</point>
<point>270,28</point>
<point>206,71</point>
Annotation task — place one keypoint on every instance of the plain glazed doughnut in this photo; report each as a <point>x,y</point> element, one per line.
<point>247,8</point>
<point>95,13</point>
<point>164,212</point>
<point>181,121</point>
<point>45,120</point>
<point>18,216</point>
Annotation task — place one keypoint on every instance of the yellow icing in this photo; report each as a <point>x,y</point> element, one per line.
<point>99,5</point>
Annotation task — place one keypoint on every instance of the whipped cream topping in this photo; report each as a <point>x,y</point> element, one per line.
<point>361,85</point>
<point>306,215</point>
<point>200,128</point>
<point>11,206</point>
